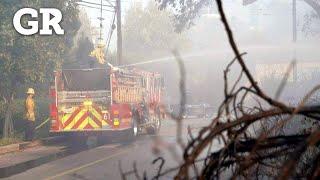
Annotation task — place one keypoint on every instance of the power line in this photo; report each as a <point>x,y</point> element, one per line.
<point>119,32</point>
<point>97,4</point>
<point>109,2</point>
<point>101,19</point>
<point>111,31</point>
<point>95,7</point>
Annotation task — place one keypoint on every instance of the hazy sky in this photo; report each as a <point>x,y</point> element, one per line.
<point>263,15</point>
<point>95,13</point>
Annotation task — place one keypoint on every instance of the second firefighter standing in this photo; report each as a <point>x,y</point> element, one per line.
<point>29,116</point>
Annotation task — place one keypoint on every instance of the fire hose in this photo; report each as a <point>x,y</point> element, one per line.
<point>47,120</point>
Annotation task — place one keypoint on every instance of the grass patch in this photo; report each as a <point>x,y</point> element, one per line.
<point>19,136</point>
<point>42,113</point>
<point>11,140</point>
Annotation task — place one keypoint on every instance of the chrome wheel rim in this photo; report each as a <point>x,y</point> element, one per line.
<point>135,129</point>
<point>157,119</point>
<point>184,116</point>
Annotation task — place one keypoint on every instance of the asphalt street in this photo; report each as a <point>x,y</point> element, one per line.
<point>107,161</point>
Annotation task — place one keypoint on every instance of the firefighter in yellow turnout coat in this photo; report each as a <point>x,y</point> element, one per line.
<point>98,54</point>
<point>29,115</point>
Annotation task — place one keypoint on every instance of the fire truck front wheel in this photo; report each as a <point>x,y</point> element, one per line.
<point>132,133</point>
<point>134,128</point>
<point>155,127</point>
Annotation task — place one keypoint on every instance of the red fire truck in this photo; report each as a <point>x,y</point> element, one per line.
<point>94,102</point>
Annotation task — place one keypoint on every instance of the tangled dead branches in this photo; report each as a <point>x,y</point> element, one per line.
<point>267,152</point>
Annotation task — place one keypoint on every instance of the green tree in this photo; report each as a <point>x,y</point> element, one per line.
<point>31,59</point>
<point>187,11</point>
<point>149,32</point>
<point>78,56</point>
<point>311,20</point>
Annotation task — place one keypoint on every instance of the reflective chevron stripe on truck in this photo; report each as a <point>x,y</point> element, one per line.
<point>84,117</point>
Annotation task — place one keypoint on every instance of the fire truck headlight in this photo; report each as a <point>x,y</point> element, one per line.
<point>87,103</point>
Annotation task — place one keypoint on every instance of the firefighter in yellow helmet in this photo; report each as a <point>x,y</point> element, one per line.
<point>29,115</point>
<point>98,53</point>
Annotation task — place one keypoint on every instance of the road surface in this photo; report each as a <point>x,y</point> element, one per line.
<point>104,162</point>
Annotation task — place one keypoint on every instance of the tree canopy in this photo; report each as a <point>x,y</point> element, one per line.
<point>78,55</point>
<point>149,32</point>
<point>32,59</point>
<point>185,11</point>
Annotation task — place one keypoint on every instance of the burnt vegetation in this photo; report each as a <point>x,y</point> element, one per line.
<point>251,130</point>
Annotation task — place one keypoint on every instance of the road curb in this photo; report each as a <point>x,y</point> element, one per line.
<point>25,145</point>
<point>21,167</point>
<point>9,148</point>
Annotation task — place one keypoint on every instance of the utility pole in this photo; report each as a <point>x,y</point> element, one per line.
<point>119,32</point>
<point>101,19</point>
<point>294,20</point>
<point>294,38</point>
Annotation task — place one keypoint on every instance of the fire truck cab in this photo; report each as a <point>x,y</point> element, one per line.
<point>103,101</point>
